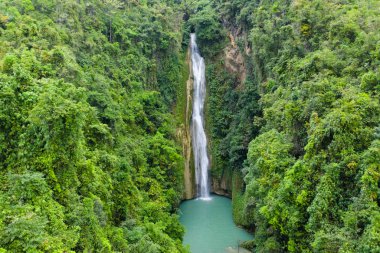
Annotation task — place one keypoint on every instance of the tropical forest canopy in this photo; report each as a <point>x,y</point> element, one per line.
<point>90,102</point>
<point>88,161</point>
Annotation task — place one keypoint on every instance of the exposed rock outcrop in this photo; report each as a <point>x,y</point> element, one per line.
<point>222,186</point>
<point>233,60</point>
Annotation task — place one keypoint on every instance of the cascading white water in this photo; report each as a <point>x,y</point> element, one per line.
<point>198,133</point>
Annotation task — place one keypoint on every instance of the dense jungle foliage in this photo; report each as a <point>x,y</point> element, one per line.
<point>304,127</point>
<point>88,96</point>
<point>88,161</point>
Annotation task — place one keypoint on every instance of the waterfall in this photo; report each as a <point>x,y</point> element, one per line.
<point>198,133</point>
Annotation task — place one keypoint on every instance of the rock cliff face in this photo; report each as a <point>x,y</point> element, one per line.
<point>222,185</point>
<point>233,58</point>
<point>189,174</point>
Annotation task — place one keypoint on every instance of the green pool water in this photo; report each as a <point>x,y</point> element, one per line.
<point>209,226</point>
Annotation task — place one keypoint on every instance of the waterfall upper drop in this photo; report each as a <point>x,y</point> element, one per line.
<point>198,133</point>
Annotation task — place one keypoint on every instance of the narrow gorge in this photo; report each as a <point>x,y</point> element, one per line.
<point>207,219</point>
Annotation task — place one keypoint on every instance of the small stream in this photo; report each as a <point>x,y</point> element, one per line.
<point>209,226</point>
